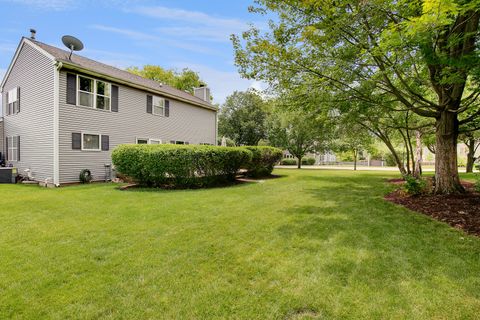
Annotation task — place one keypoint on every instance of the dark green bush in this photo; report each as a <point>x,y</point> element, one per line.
<point>477,182</point>
<point>308,161</point>
<point>288,162</point>
<point>179,165</point>
<point>263,160</point>
<point>414,186</point>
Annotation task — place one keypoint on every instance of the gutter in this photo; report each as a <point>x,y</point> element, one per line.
<point>70,66</point>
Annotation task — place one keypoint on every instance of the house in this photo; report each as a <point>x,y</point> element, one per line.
<point>63,114</point>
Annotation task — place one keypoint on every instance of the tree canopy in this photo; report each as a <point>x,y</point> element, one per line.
<point>185,79</point>
<point>416,56</point>
<point>242,118</point>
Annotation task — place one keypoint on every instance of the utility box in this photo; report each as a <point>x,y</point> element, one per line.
<point>8,175</point>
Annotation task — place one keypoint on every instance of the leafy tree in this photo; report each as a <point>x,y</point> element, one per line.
<point>242,118</point>
<point>472,141</point>
<point>298,131</point>
<point>352,138</point>
<point>185,80</point>
<point>419,54</point>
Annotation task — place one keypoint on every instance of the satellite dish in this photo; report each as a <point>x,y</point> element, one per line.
<point>72,43</point>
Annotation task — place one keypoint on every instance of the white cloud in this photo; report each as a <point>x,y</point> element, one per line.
<point>56,5</point>
<point>7,47</point>
<point>221,83</point>
<point>188,16</point>
<point>152,40</point>
<point>194,25</point>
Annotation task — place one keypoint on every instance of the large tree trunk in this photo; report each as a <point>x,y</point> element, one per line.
<point>447,180</point>
<point>471,154</point>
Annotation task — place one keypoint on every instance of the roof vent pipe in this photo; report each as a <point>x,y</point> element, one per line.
<point>33,32</point>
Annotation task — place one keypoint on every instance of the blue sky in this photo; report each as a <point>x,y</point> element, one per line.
<point>173,34</point>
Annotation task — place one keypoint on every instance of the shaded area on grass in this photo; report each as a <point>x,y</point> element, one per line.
<point>318,244</point>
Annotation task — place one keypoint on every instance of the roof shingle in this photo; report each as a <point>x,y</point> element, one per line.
<point>101,68</point>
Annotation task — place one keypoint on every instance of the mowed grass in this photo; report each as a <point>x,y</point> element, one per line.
<point>313,244</point>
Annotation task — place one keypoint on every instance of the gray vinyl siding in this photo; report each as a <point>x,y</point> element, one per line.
<point>2,140</point>
<point>33,73</point>
<point>186,123</point>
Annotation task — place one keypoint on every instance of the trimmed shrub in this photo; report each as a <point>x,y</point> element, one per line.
<point>309,161</point>
<point>414,186</point>
<point>263,160</point>
<point>288,162</point>
<point>179,165</point>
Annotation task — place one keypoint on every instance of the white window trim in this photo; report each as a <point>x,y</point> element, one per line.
<point>153,106</point>
<point>94,94</point>
<point>99,141</point>
<point>13,104</point>
<point>11,149</point>
<point>152,139</point>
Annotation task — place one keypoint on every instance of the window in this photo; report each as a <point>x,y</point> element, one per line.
<point>93,93</point>
<point>90,141</point>
<point>148,141</point>
<point>158,106</point>
<point>155,141</point>
<point>179,142</point>
<point>142,141</point>
<point>12,148</point>
<point>12,101</point>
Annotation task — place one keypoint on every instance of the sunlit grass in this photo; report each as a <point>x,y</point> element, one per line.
<point>313,243</point>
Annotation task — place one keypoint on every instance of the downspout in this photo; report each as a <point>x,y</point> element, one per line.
<point>216,128</point>
<point>56,124</point>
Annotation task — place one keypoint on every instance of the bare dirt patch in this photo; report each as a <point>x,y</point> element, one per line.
<point>459,211</point>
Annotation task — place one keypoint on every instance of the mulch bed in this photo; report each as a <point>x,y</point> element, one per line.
<point>459,211</point>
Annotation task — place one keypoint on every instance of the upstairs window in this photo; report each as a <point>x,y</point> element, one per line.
<point>158,106</point>
<point>93,93</point>
<point>12,102</point>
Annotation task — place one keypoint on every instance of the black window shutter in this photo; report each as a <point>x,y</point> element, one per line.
<point>6,148</point>
<point>71,88</point>
<point>18,148</point>
<point>114,98</point>
<point>167,108</point>
<point>149,103</point>
<point>105,143</point>
<point>7,107</point>
<point>18,100</point>
<point>76,141</point>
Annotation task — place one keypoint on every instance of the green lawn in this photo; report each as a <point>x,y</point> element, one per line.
<point>313,242</point>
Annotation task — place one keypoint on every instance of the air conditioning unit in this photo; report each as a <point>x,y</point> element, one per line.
<point>8,175</point>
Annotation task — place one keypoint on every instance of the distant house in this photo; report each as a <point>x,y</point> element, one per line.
<point>62,115</point>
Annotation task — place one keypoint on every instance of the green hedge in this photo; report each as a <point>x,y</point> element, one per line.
<point>179,165</point>
<point>263,160</point>
<point>288,162</point>
<point>309,161</point>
